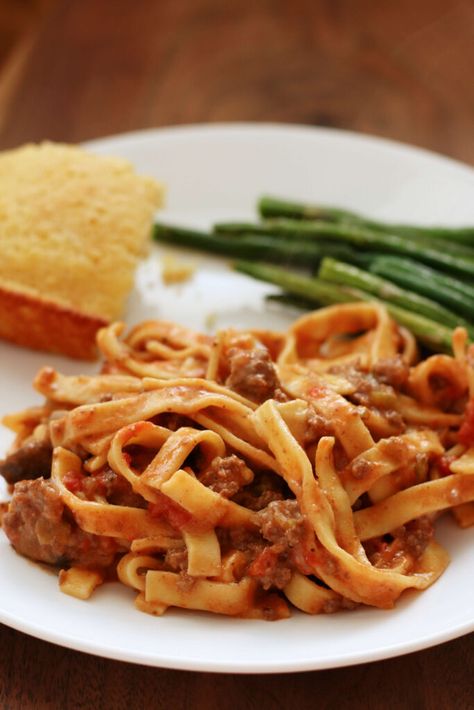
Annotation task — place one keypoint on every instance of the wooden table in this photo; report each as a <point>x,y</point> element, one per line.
<point>76,69</point>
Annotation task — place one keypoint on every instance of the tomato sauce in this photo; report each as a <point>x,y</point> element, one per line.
<point>466,432</point>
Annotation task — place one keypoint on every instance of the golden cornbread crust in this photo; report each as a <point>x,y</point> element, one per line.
<point>73,226</point>
<point>35,322</point>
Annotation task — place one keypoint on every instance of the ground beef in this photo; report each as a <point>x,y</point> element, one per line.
<point>31,460</point>
<point>282,523</point>
<point>316,427</point>
<point>176,559</point>
<point>410,539</point>
<point>361,468</point>
<point>265,488</point>
<point>375,390</point>
<point>415,535</point>
<point>271,568</point>
<point>362,380</point>
<point>40,527</point>
<point>395,420</point>
<point>109,485</point>
<point>250,542</point>
<point>392,371</point>
<point>252,374</point>
<point>331,606</point>
<point>393,448</point>
<point>273,551</point>
<point>226,475</point>
<point>172,421</point>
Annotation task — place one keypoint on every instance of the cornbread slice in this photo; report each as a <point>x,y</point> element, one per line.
<point>73,226</point>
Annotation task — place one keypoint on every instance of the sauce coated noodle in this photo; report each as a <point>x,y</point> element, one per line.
<point>238,473</point>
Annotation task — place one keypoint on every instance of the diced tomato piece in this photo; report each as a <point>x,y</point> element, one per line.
<point>264,563</point>
<point>466,432</point>
<point>311,558</point>
<point>444,462</point>
<point>174,513</point>
<point>317,391</point>
<point>86,544</point>
<point>73,481</point>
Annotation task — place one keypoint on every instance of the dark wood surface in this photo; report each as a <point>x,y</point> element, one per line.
<point>78,69</point>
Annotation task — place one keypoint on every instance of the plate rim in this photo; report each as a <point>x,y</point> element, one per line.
<point>91,646</point>
<point>274,126</point>
<point>73,643</point>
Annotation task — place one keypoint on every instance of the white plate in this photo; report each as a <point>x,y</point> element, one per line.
<point>217,172</point>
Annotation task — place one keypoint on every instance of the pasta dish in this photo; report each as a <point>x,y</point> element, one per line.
<point>248,472</point>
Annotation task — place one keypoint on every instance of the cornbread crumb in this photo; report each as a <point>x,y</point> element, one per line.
<point>72,228</point>
<point>175,271</point>
<point>210,321</point>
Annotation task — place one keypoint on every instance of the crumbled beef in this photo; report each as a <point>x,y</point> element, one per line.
<point>361,380</point>
<point>341,459</point>
<point>172,421</point>
<point>271,568</point>
<point>281,396</point>
<point>394,448</point>
<point>40,527</point>
<point>395,420</point>
<point>31,460</point>
<point>282,523</point>
<point>226,475</point>
<point>415,535</point>
<point>176,558</point>
<point>331,606</point>
<point>410,540</point>
<point>264,489</point>
<point>252,374</point>
<point>361,468</point>
<point>109,485</point>
<point>392,371</point>
<point>250,542</point>
<point>316,427</point>
<point>375,390</point>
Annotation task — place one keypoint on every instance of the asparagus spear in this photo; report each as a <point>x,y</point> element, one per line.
<point>275,207</point>
<point>432,252</point>
<point>435,336</point>
<point>456,294</point>
<point>349,275</point>
<point>294,252</point>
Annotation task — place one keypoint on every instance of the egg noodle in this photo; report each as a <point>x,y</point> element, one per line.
<point>260,467</point>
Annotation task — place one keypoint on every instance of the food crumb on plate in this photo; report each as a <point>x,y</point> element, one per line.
<point>176,270</point>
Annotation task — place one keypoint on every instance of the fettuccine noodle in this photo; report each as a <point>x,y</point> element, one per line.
<point>245,472</point>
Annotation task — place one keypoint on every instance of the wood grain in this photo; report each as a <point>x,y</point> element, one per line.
<point>402,70</point>
<point>36,676</point>
<point>78,69</point>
